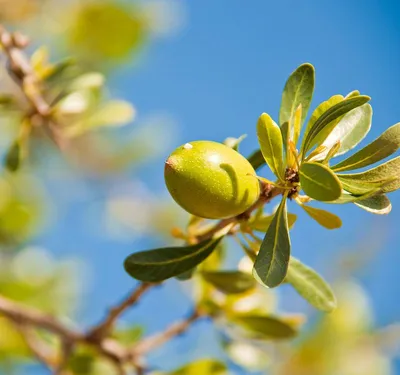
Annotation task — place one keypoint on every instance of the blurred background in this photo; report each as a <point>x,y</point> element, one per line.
<point>147,76</point>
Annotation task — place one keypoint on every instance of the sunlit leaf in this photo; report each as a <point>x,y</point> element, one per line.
<point>265,326</point>
<point>271,144</point>
<point>262,223</point>
<point>352,94</point>
<point>230,282</point>
<point>326,122</point>
<point>319,182</point>
<point>346,197</point>
<point>311,286</point>
<point>359,187</point>
<point>202,367</point>
<point>382,147</point>
<point>350,130</point>
<point>298,90</point>
<point>382,174</point>
<point>234,142</point>
<point>272,260</point>
<point>161,264</point>
<point>378,204</point>
<point>322,217</point>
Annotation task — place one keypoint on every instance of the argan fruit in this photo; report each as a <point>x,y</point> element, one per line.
<point>211,180</point>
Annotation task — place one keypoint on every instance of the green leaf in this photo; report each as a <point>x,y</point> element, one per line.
<point>298,90</point>
<point>378,204</point>
<point>359,187</point>
<point>326,122</point>
<point>386,174</point>
<point>230,282</point>
<point>262,223</point>
<point>352,94</point>
<point>311,286</point>
<point>382,147</point>
<point>130,335</point>
<point>161,264</point>
<point>271,144</point>
<point>350,130</point>
<point>319,182</point>
<point>322,217</point>
<point>318,112</point>
<point>351,198</point>
<point>272,260</point>
<point>234,142</point>
<point>265,326</point>
<point>202,367</point>
<point>256,159</point>
<point>13,157</point>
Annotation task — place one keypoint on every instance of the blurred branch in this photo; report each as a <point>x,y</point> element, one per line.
<point>24,75</point>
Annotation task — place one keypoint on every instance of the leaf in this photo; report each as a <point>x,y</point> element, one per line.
<point>262,223</point>
<point>322,217</point>
<point>272,260</point>
<point>359,187</point>
<point>13,157</point>
<point>202,367</point>
<point>298,90</point>
<point>351,198</point>
<point>114,112</point>
<point>319,111</point>
<point>350,130</point>
<point>265,326</point>
<point>234,142</point>
<point>382,147</point>
<point>311,286</point>
<point>256,159</point>
<point>161,264</point>
<point>382,174</point>
<point>319,182</point>
<point>271,144</point>
<point>297,121</point>
<point>325,123</point>
<point>230,282</point>
<point>378,204</point>
<point>352,94</point>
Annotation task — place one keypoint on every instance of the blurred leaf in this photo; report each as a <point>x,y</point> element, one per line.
<point>298,91</point>
<point>262,223</point>
<point>272,260</point>
<point>87,81</point>
<point>256,159</point>
<point>13,157</point>
<point>270,139</point>
<point>310,286</point>
<point>326,122</point>
<point>319,182</point>
<point>350,130</point>
<point>186,275</point>
<point>264,326</point>
<point>202,367</point>
<point>322,217</point>
<point>380,175</point>
<point>230,282</point>
<point>161,264</point>
<point>234,142</point>
<point>385,145</point>
<point>128,336</point>
<point>378,204</point>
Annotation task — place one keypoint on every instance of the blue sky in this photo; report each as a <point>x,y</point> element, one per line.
<point>215,78</point>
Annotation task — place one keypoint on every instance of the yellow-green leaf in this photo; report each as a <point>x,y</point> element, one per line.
<point>272,260</point>
<point>298,90</point>
<point>322,217</point>
<point>382,147</point>
<point>311,286</point>
<point>204,366</point>
<point>262,223</point>
<point>319,182</point>
<point>229,282</point>
<point>378,204</point>
<point>271,144</point>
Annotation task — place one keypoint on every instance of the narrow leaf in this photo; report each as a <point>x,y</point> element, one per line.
<point>256,159</point>
<point>262,223</point>
<point>311,286</point>
<point>326,122</point>
<point>161,264</point>
<point>298,90</point>
<point>322,217</point>
<point>297,120</point>
<point>319,182</point>
<point>351,198</point>
<point>230,282</point>
<point>350,130</point>
<point>234,142</point>
<point>272,261</point>
<point>264,326</point>
<point>352,94</point>
<point>360,187</point>
<point>387,174</point>
<point>378,204</point>
<point>271,144</point>
<point>202,367</point>
<point>13,157</point>
<point>382,147</point>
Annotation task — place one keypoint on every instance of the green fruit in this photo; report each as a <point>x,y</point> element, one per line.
<point>211,180</point>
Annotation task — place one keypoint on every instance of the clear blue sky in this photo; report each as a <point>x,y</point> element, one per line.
<point>215,78</point>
